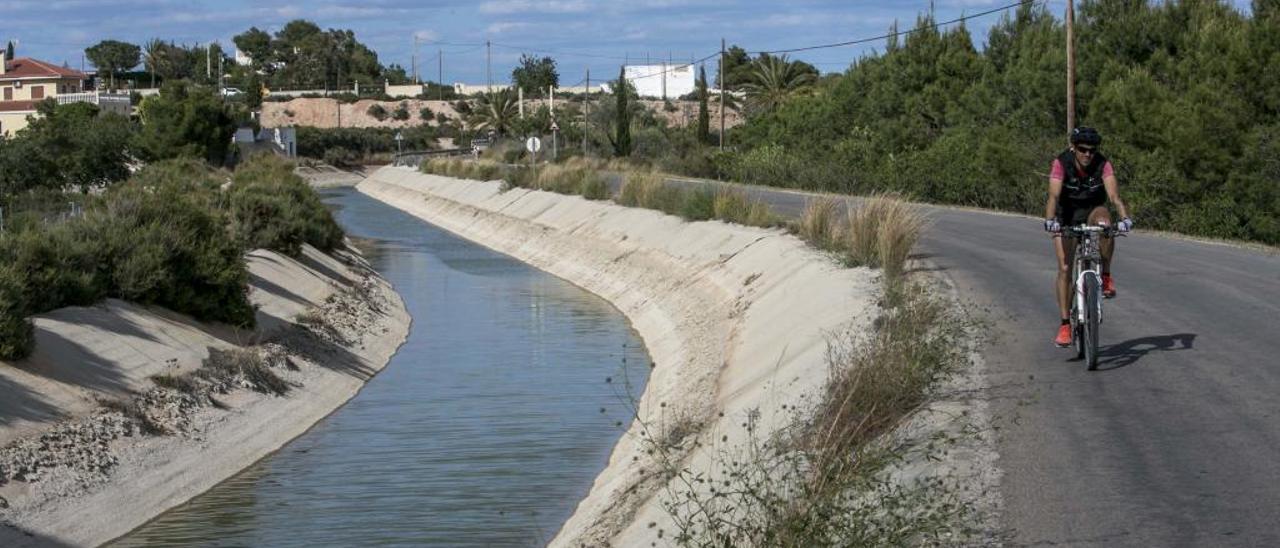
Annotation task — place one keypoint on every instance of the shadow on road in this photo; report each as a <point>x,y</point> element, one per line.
<point>1127,353</point>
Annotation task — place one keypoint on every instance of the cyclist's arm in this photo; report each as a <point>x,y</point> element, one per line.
<point>1113,194</point>
<point>1051,208</point>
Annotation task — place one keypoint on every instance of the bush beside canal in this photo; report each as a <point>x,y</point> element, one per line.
<point>173,235</point>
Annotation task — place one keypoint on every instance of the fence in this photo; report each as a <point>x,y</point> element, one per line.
<point>414,158</point>
<point>46,214</point>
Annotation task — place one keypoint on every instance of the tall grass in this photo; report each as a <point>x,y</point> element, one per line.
<point>817,225</point>
<point>881,232</point>
<point>733,206</point>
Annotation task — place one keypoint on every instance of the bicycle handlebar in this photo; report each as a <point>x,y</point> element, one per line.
<point>1081,229</point>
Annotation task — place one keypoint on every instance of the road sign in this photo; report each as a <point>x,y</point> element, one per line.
<point>533,144</point>
<point>555,126</point>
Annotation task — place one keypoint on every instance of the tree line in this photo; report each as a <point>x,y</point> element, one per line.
<point>300,55</point>
<point>1185,92</point>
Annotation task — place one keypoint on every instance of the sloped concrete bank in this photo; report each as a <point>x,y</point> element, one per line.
<point>736,320</point>
<point>77,474</point>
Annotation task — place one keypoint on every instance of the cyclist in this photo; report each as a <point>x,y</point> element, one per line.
<point>1080,183</point>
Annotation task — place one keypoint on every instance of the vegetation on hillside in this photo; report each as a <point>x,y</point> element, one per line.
<point>171,235</point>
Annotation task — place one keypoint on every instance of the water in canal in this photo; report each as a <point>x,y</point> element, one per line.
<point>485,429</point>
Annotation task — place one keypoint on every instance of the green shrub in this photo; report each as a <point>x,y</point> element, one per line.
<point>425,114</point>
<point>593,187</point>
<point>733,206</point>
<point>401,112</point>
<point>698,205</point>
<point>165,245</point>
<point>364,143</point>
<point>377,111</point>
<point>341,157</point>
<point>271,207</point>
<point>17,335</point>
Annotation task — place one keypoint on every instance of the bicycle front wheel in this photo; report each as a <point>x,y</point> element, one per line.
<point>1092,294</point>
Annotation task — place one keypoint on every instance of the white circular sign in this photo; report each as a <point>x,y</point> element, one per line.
<point>533,144</point>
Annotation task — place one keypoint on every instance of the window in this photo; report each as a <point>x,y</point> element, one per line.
<point>37,92</point>
<point>8,94</point>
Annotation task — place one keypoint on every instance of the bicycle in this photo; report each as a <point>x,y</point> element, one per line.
<point>1086,306</point>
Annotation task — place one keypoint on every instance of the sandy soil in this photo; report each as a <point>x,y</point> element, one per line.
<point>85,427</point>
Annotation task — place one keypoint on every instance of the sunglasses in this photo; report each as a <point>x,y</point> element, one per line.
<point>1084,150</point>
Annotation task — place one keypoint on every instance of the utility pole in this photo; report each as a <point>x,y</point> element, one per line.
<point>488,67</point>
<point>664,76</point>
<point>1071,67</point>
<point>586,113</point>
<point>208,63</point>
<point>721,95</point>
<point>440,72</point>
<point>415,59</point>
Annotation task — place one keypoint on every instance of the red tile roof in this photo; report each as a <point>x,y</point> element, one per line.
<point>17,106</point>
<point>26,67</point>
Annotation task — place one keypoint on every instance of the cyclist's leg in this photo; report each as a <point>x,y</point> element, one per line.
<point>1102,216</point>
<point>1065,248</point>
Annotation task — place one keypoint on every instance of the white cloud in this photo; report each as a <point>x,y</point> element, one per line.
<point>426,35</point>
<point>504,26</point>
<point>507,7</point>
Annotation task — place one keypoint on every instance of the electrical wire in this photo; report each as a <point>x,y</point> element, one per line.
<point>899,33</point>
<point>682,66</point>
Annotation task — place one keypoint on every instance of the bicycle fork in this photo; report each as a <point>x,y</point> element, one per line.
<point>1081,302</point>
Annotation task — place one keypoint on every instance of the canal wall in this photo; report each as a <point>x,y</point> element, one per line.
<point>736,320</point>
<point>86,479</point>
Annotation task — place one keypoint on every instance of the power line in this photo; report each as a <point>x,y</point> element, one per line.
<point>677,67</point>
<point>899,33</point>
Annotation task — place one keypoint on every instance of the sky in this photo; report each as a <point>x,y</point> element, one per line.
<point>599,35</point>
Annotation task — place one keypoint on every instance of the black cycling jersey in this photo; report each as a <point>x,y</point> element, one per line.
<point>1080,192</point>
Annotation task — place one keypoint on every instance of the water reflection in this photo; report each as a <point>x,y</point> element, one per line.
<point>485,429</point>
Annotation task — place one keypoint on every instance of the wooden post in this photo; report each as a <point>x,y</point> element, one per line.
<point>1071,67</point>
<point>721,95</point>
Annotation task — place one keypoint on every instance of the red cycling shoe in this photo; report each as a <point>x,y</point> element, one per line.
<point>1108,286</point>
<point>1064,336</point>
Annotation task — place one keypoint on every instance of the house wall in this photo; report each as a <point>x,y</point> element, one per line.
<point>26,91</point>
<point>12,122</point>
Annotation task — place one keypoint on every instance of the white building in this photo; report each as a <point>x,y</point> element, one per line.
<point>661,81</point>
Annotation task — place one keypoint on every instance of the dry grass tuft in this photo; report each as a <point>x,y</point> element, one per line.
<point>818,223</point>
<point>249,364</point>
<point>881,232</point>
<point>733,206</point>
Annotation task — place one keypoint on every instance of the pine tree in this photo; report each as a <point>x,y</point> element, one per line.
<point>8,52</point>
<point>622,139</point>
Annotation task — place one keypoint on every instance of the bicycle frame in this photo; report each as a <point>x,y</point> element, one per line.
<point>1088,257</point>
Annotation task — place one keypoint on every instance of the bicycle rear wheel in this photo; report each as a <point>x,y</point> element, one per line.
<point>1092,293</point>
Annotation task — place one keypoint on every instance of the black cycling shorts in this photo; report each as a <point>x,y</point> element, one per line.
<point>1072,216</point>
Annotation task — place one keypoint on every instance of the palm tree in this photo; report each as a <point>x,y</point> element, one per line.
<point>773,81</point>
<point>496,111</point>
<point>154,53</point>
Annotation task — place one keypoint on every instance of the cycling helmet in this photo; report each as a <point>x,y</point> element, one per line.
<point>1085,136</point>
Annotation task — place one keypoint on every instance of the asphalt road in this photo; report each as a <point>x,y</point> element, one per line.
<point>1175,440</point>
